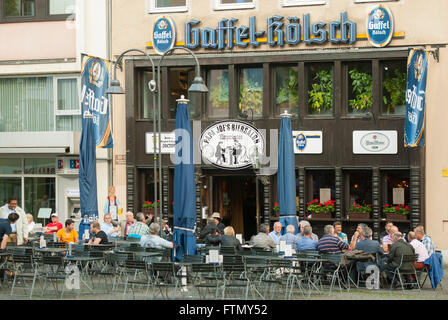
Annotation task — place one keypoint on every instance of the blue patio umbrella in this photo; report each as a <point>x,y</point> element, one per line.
<point>286,177</point>
<point>87,174</point>
<point>184,238</point>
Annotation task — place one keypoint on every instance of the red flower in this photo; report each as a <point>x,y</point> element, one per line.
<point>387,206</point>
<point>359,207</point>
<point>406,208</point>
<point>354,205</point>
<point>397,208</point>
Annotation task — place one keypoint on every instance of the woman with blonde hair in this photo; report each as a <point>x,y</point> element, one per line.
<point>228,239</point>
<point>31,223</point>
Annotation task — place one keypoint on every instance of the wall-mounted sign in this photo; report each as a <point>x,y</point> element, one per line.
<point>163,35</point>
<point>231,144</point>
<point>68,166</point>
<point>168,143</point>
<point>307,142</point>
<point>380,26</point>
<point>375,142</point>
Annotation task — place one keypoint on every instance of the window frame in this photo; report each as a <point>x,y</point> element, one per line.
<point>152,7</point>
<point>41,10</point>
<point>296,3</point>
<point>234,6</point>
<point>206,113</point>
<point>274,68</point>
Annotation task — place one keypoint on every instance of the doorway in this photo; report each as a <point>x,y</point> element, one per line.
<point>234,197</point>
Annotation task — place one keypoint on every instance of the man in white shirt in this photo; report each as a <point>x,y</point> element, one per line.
<point>20,227</point>
<point>420,250</point>
<point>276,233</point>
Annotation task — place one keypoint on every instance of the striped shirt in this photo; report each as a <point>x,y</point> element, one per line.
<point>139,228</point>
<point>427,241</point>
<point>331,244</point>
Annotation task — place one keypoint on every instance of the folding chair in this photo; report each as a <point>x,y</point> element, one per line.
<point>332,268</point>
<point>137,274</point>
<point>207,277</point>
<point>53,270</point>
<point>401,273</point>
<point>114,267</point>
<point>24,268</point>
<point>227,250</point>
<point>164,277</point>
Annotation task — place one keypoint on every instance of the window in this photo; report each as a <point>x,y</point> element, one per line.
<point>234,4</point>
<point>286,89</point>
<point>180,79</point>
<point>316,180</point>
<point>251,92</point>
<point>168,5</point>
<point>62,7</point>
<point>36,10</point>
<point>320,88</point>
<point>19,8</point>
<point>291,3</point>
<point>10,166</point>
<point>41,103</point>
<point>10,187</point>
<point>359,87</point>
<point>393,180</point>
<point>393,80</point>
<point>218,95</point>
<point>147,99</point>
<point>358,188</point>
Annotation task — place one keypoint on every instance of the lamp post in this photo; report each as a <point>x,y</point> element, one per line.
<point>197,86</point>
<point>115,88</point>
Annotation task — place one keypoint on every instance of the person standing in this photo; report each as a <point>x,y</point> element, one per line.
<point>112,204</point>
<point>19,229</point>
<point>5,228</point>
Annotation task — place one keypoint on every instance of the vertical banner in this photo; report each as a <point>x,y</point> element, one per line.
<point>94,100</point>
<point>415,98</point>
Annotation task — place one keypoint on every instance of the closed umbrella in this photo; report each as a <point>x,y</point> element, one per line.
<point>184,238</point>
<point>286,177</point>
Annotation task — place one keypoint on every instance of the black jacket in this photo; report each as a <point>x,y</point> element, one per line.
<point>396,250</point>
<point>209,229</point>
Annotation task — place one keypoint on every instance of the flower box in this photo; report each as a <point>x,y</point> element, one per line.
<point>396,217</point>
<point>148,211</point>
<point>359,216</point>
<point>325,215</point>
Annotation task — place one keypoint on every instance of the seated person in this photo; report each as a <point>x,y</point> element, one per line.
<point>387,240</point>
<point>209,229</point>
<point>54,225</point>
<point>367,245</point>
<point>228,239</point>
<point>153,240</point>
<point>385,232</point>
<point>338,231</point>
<point>290,237</point>
<point>302,224</point>
<point>262,239</point>
<point>425,239</point>
<point>276,233</point>
<point>108,226</point>
<point>397,249</point>
<point>357,237</point>
<point>306,242</point>
<point>139,228</point>
<point>329,243</point>
<point>99,237</point>
<point>68,234</point>
<point>420,250</point>
<point>31,222</point>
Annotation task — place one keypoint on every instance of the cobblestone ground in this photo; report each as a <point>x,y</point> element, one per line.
<point>427,293</point>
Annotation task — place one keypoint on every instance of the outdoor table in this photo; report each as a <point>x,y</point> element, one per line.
<point>52,251</point>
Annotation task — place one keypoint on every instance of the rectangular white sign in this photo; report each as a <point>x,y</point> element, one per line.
<point>307,142</point>
<point>168,143</point>
<point>375,142</point>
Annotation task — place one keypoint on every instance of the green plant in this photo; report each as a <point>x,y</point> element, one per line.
<point>219,95</point>
<point>251,97</point>
<point>321,93</point>
<point>289,91</point>
<point>398,209</point>
<point>151,205</point>
<point>395,86</point>
<point>362,89</point>
<point>360,208</point>
<point>276,207</point>
<point>316,207</point>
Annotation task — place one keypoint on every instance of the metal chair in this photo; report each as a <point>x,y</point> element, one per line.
<point>401,273</point>
<point>137,274</point>
<point>227,250</point>
<point>165,276</point>
<point>207,277</point>
<point>24,268</point>
<point>53,271</point>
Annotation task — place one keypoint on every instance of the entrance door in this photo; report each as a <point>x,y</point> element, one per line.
<point>234,197</point>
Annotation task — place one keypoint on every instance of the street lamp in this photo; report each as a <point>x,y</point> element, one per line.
<point>115,88</point>
<point>197,86</point>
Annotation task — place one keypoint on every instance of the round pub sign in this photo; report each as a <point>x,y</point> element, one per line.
<point>163,35</point>
<point>380,26</point>
<point>231,144</point>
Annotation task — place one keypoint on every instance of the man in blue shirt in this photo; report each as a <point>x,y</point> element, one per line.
<point>329,243</point>
<point>306,242</point>
<point>290,237</point>
<point>276,233</point>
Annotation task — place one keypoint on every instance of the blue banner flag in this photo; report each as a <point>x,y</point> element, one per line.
<point>415,98</point>
<point>94,100</point>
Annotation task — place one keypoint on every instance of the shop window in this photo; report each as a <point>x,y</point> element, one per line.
<point>393,85</point>
<point>10,166</point>
<point>40,166</point>
<point>234,4</point>
<point>62,7</point>
<point>218,95</point>
<point>396,187</point>
<point>320,88</point>
<point>358,188</point>
<point>180,79</point>
<point>168,5</point>
<point>251,92</point>
<point>358,81</point>
<point>318,182</point>
<point>291,3</point>
<point>286,89</point>
<point>19,8</point>
<point>39,193</point>
<point>10,187</point>
<point>68,112</point>
<point>146,105</point>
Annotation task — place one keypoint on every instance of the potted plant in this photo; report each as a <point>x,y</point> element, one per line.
<point>276,209</point>
<point>320,211</point>
<point>321,94</point>
<point>362,89</point>
<point>359,212</point>
<point>148,207</point>
<point>396,212</point>
<point>395,92</point>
